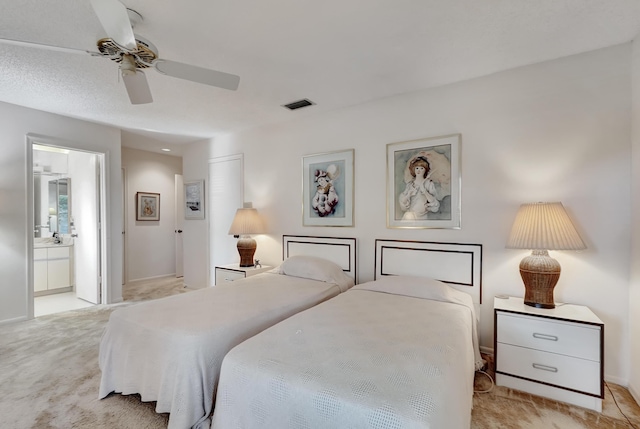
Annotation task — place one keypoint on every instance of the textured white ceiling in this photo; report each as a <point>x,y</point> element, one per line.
<point>336,53</point>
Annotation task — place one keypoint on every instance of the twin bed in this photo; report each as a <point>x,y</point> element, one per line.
<point>170,350</point>
<point>399,352</point>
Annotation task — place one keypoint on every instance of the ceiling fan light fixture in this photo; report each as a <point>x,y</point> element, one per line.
<point>128,65</point>
<point>135,53</point>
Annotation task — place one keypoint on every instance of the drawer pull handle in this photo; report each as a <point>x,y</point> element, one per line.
<point>228,280</point>
<point>544,367</point>
<point>545,337</point>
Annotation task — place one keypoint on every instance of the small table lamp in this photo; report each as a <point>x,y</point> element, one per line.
<point>246,221</point>
<point>542,227</point>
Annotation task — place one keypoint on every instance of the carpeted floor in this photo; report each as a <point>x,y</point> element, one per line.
<point>49,378</point>
<point>506,408</point>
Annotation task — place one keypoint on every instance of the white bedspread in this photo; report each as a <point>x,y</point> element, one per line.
<point>170,350</point>
<point>365,359</point>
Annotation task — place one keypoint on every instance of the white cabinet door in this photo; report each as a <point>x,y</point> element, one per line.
<point>39,276</point>
<point>58,272</point>
<point>39,270</point>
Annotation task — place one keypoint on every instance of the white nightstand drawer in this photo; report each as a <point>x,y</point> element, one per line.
<point>555,336</point>
<point>232,272</point>
<point>223,276</point>
<point>573,373</point>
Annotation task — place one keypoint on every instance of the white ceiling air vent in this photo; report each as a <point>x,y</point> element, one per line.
<point>299,104</point>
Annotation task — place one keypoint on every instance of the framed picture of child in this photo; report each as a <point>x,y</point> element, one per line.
<point>327,189</point>
<point>423,183</point>
<point>147,206</point>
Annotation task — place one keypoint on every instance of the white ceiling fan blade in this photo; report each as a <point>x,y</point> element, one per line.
<point>115,20</point>
<point>198,74</point>
<point>137,87</point>
<point>22,43</point>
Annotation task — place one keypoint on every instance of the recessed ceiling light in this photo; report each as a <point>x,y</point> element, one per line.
<point>166,150</point>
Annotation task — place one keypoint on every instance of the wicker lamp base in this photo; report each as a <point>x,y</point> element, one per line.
<point>540,273</point>
<point>246,248</point>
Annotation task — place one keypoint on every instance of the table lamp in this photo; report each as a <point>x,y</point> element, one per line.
<point>542,227</point>
<point>246,221</point>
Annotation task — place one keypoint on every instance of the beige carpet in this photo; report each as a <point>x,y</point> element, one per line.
<point>505,408</point>
<point>49,378</point>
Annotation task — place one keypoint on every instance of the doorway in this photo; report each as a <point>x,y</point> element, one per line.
<point>66,210</point>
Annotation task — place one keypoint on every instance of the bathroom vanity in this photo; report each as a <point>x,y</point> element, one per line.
<point>52,266</point>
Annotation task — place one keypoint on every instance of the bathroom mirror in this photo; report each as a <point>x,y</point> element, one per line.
<point>52,204</point>
<point>59,205</point>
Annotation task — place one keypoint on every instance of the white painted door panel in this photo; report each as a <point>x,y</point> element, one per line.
<point>83,168</point>
<point>179,226</point>
<point>226,195</point>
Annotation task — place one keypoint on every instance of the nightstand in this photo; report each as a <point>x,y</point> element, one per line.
<point>229,273</point>
<point>557,353</point>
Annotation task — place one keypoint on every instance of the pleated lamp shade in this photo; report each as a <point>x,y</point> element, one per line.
<point>542,227</point>
<point>246,221</point>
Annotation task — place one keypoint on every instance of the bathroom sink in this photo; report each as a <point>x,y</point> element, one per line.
<point>50,242</point>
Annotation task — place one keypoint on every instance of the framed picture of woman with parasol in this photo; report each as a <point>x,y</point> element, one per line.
<point>423,183</point>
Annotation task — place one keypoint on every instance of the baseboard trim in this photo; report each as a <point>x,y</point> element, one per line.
<point>486,350</point>
<point>635,394</point>
<point>616,380</point>
<point>153,278</point>
<point>16,320</point>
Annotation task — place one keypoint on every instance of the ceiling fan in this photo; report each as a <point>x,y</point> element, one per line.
<point>134,53</point>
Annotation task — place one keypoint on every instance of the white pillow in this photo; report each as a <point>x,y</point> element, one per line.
<point>418,287</point>
<point>314,268</point>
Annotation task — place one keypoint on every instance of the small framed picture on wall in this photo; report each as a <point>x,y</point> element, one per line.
<point>147,206</point>
<point>194,199</point>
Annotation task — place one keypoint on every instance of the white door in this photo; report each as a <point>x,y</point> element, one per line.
<point>179,224</point>
<point>85,209</point>
<point>124,226</point>
<point>226,176</point>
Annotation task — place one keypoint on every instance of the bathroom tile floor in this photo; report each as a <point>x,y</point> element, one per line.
<point>56,303</point>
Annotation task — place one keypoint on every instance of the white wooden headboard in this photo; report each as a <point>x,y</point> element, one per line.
<point>458,264</point>
<point>341,251</point>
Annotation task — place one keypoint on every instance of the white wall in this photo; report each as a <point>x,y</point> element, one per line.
<point>150,246</point>
<point>195,166</point>
<point>15,123</point>
<point>555,131</point>
<point>634,289</point>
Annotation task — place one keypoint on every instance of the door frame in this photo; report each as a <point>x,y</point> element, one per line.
<point>103,265</point>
